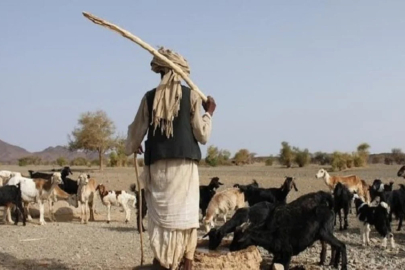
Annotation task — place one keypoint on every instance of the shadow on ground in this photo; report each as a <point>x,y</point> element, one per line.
<point>8,261</point>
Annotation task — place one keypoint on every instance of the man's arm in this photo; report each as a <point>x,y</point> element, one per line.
<point>201,124</point>
<point>137,129</point>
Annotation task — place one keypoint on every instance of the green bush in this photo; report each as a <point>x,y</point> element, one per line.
<point>286,156</point>
<point>61,161</point>
<point>269,161</point>
<point>301,157</point>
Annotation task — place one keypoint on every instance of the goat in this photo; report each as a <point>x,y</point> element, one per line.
<point>352,182</point>
<point>342,200</point>
<point>376,216</point>
<point>11,194</point>
<point>291,228</point>
<point>396,201</point>
<point>142,215</point>
<point>35,190</point>
<point>255,195</point>
<point>207,192</point>
<point>222,203</point>
<point>246,215</point>
<point>86,193</point>
<point>379,189</point>
<point>401,172</point>
<point>254,184</point>
<point>116,198</point>
<point>70,186</point>
<point>7,175</point>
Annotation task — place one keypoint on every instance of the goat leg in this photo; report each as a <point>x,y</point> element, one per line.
<point>346,212</point>
<point>338,246</point>
<point>323,253</point>
<point>21,210</point>
<point>400,223</point>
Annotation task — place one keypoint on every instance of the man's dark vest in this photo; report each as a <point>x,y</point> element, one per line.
<point>183,144</point>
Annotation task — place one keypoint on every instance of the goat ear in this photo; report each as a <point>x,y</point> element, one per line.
<point>88,176</point>
<point>295,187</point>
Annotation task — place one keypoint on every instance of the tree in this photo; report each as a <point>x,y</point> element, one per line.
<point>94,133</point>
<point>212,156</point>
<point>363,153</point>
<point>286,156</point>
<point>61,161</point>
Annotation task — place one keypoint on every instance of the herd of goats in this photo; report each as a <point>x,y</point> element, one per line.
<point>284,229</point>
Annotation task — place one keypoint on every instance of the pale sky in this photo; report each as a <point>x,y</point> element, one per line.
<point>322,75</point>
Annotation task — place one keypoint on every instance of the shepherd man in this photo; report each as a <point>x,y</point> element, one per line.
<point>170,115</point>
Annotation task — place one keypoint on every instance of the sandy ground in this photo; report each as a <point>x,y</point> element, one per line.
<point>67,244</point>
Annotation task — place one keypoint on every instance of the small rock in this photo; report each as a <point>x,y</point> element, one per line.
<point>278,266</point>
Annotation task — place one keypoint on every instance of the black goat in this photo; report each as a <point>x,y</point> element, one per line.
<point>11,194</point>
<point>254,215</point>
<point>396,201</point>
<point>254,184</point>
<point>207,192</point>
<point>144,206</point>
<point>379,189</point>
<point>342,201</point>
<point>376,216</point>
<point>69,186</point>
<point>289,229</point>
<point>255,195</point>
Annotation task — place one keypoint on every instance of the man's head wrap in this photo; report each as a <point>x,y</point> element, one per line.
<point>166,103</point>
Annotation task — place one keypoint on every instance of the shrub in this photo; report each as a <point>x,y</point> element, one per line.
<point>376,160</point>
<point>286,156</point>
<point>269,161</point>
<point>61,161</point>
<point>242,157</point>
<point>302,157</point>
<point>398,156</point>
<point>79,161</point>
<point>388,161</point>
<point>322,158</point>
<point>212,156</point>
<point>338,161</point>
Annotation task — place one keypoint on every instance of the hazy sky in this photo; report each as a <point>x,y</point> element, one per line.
<point>322,75</point>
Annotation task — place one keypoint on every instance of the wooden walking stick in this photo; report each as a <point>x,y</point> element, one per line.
<point>139,206</point>
<point>147,47</point>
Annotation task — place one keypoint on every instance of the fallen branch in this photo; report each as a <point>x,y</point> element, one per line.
<point>147,47</point>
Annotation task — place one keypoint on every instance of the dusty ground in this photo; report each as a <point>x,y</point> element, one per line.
<point>67,244</point>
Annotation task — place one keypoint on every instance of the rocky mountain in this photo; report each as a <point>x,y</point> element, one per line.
<point>11,153</point>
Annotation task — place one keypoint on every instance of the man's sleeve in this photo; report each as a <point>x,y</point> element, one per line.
<point>201,124</point>
<point>137,129</point>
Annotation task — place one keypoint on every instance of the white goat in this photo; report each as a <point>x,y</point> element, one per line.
<point>7,175</point>
<point>86,193</point>
<point>34,190</point>
<point>223,202</point>
<point>116,198</point>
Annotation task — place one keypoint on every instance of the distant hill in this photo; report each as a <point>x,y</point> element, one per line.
<point>11,153</point>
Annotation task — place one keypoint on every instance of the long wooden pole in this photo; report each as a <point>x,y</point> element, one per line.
<point>147,47</point>
<point>139,206</point>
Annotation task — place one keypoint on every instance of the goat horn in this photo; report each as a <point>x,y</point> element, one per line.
<point>147,47</point>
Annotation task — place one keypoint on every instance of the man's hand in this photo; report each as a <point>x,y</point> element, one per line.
<point>140,150</point>
<point>210,105</point>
